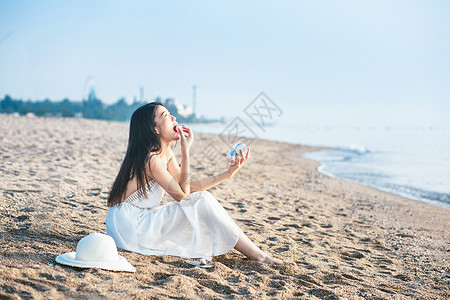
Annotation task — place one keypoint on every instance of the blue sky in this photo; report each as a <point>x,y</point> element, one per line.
<point>363,60</point>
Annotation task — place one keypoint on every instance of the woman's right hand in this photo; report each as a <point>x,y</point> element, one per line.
<point>186,141</point>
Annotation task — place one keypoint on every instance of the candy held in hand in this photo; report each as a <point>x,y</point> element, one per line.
<point>236,151</point>
<point>180,127</point>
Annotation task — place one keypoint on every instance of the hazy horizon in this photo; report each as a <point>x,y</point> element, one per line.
<point>350,60</point>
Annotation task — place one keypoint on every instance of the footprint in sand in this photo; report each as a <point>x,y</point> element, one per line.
<point>351,255</point>
<point>216,286</point>
<point>306,242</point>
<point>69,203</point>
<point>22,218</point>
<point>161,276</point>
<point>27,209</point>
<point>292,226</point>
<point>238,204</point>
<point>282,249</point>
<point>70,181</point>
<point>277,284</point>
<point>249,222</point>
<point>307,224</point>
<point>36,286</point>
<point>58,278</point>
<point>323,294</point>
<point>283,229</point>
<point>402,277</point>
<point>351,277</point>
<point>11,291</point>
<point>334,278</point>
<point>381,260</point>
<point>326,225</point>
<point>93,193</point>
<point>305,279</point>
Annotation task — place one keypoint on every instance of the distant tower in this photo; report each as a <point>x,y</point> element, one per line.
<point>89,88</point>
<point>194,99</point>
<point>92,95</point>
<point>141,98</point>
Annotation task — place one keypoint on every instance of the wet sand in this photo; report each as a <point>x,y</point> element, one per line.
<point>348,241</point>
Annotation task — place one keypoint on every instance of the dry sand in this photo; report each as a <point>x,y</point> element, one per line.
<point>348,241</point>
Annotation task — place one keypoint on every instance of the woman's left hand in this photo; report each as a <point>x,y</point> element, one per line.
<point>238,162</point>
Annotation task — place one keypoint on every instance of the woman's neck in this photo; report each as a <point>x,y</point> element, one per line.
<point>164,147</point>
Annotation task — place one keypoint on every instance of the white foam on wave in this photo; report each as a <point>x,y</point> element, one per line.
<point>360,149</point>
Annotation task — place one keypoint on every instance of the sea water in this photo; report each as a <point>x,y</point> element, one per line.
<point>412,161</point>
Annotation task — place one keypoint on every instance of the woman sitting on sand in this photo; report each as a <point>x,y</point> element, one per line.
<point>196,226</point>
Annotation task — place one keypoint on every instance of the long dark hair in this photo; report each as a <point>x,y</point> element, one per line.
<point>142,142</point>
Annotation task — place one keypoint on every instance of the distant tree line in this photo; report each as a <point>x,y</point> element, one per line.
<point>92,108</point>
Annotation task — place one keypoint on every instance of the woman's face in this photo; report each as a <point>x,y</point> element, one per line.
<point>165,123</point>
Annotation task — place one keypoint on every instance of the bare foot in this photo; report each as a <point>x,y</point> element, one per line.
<point>270,260</point>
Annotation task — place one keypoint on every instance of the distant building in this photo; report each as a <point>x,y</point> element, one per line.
<point>182,110</point>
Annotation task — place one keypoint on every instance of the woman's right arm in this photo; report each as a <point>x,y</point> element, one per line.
<point>185,181</point>
<point>180,189</point>
<point>185,168</point>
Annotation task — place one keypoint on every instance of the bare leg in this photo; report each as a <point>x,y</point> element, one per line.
<point>249,249</point>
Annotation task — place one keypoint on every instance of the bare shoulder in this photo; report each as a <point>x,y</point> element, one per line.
<point>154,165</point>
<point>155,160</point>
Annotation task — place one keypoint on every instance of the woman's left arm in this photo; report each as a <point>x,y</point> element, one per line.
<point>204,184</point>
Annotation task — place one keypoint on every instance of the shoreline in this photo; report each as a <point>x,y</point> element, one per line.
<point>348,240</point>
<point>430,202</point>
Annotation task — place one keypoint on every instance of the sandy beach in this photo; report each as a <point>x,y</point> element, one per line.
<point>349,241</point>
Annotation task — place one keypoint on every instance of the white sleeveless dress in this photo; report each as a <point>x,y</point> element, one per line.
<point>195,228</point>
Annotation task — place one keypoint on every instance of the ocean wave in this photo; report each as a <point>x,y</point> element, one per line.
<point>358,164</point>
<point>338,154</point>
<point>359,149</point>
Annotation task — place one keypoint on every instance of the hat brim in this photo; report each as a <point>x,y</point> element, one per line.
<point>117,265</point>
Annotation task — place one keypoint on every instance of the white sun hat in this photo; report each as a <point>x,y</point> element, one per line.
<point>96,250</point>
